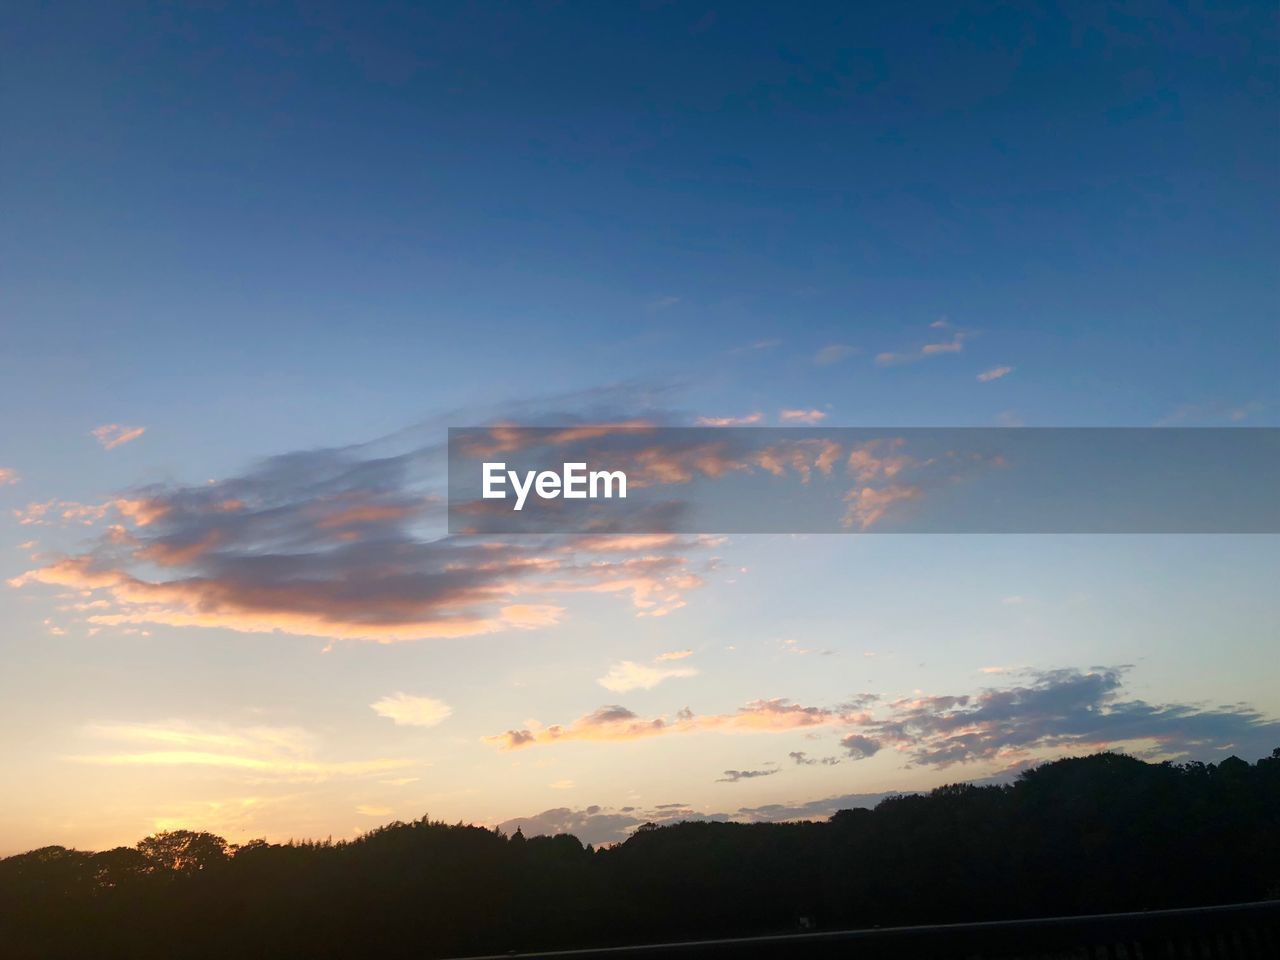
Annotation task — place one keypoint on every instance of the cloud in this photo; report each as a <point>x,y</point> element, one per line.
<point>593,824</point>
<point>1213,412</point>
<point>859,747</point>
<point>868,505</point>
<point>791,645</point>
<point>8,476</point>
<point>801,416</point>
<point>1048,713</point>
<point>886,474</point>
<point>733,776</point>
<point>337,544</point>
<point>366,810</point>
<point>629,675</point>
<point>757,345</point>
<point>405,710</point>
<point>674,655</point>
<point>603,825</point>
<point>563,785</point>
<point>936,348</point>
<point>802,759</point>
<point>833,353</point>
<point>617,723</point>
<point>995,373</point>
<point>286,753</point>
<point>112,435</point>
<point>743,421</point>
<point>1057,710</point>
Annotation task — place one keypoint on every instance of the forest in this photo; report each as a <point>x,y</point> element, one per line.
<point>1094,834</point>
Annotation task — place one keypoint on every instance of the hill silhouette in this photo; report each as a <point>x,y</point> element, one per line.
<point>1093,834</point>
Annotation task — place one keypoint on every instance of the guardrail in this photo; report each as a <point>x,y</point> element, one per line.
<point>1238,931</point>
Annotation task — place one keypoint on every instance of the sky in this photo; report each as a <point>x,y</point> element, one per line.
<point>255,260</point>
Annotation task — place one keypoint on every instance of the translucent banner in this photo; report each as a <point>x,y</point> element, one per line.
<point>604,478</point>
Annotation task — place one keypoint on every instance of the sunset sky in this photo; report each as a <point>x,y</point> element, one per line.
<point>254,263</point>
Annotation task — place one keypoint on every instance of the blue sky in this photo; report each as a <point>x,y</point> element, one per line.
<point>255,231</point>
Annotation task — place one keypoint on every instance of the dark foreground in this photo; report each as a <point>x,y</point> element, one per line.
<point>1094,835</point>
<point>1245,930</point>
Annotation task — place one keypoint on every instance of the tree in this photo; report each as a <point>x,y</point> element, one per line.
<point>183,851</point>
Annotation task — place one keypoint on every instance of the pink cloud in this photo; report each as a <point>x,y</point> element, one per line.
<point>995,373</point>
<point>112,435</point>
<point>801,416</point>
<point>743,421</point>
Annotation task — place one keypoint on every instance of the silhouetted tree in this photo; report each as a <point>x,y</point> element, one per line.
<point>1093,834</point>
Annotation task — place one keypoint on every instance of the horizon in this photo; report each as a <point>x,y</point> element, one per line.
<point>552,823</point>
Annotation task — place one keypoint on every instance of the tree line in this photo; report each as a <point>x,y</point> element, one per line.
<point>1092,834</point>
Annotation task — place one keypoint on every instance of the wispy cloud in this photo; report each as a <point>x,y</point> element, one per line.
<point>802,759</point>
<point>833,353</point>
<point>954,344</point>
<point>792,646</point>
<point>995,373</point>
<point>405,710</point>
<point>768,344</point>
<point>800,415</point>
<point>733,776</point>
<point>743,421</point>
<point>1212,412</point>
<point>629,675</point>
<point>8,476</point>
<point>261,751</point>
<point>674,655</point>
<point>867,506</point>
<point>616,723</point>
<point>112,435</point>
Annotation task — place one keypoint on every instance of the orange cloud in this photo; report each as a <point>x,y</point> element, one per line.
<point>878,460</point>
<point>868,505</point>
<point>508,438</point>
<point>616,723</point>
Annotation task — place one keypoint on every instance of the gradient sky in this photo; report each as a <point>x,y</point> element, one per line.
<point>325,235</point>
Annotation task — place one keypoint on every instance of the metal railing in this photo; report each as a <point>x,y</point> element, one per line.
<point>1238,931</point>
